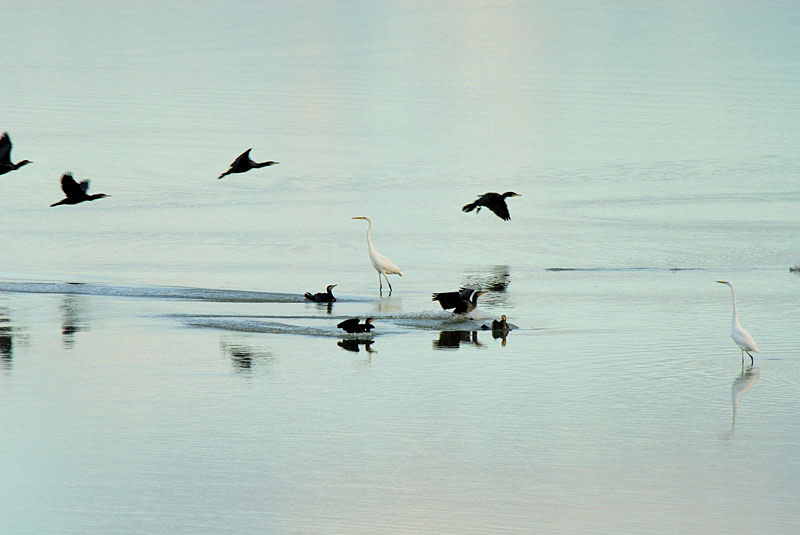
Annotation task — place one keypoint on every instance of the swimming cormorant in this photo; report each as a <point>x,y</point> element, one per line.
<point>462,301</point>
<point>243,163</point>
<point>497,325</point>
<point>322,297</point>
<point>6,166</point>
<point>353,326</point>
<point>494,202</point>
<point>76,192</point>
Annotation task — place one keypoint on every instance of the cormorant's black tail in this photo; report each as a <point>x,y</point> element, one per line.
<point>309,296</point>
<point>470,207</point>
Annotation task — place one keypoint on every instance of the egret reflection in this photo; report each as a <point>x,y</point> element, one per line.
<point>743,383</point>
<point>454,339</point>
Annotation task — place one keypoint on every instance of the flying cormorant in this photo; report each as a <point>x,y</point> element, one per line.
<point>462,301</point>
<point>243,163</point>
<point>353,326</point>
<point>322,297</point>
<point>494,202</point>
<point>76,192</point>
<point>6,166</point>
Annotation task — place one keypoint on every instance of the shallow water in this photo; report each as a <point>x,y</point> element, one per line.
<point>161,371</point>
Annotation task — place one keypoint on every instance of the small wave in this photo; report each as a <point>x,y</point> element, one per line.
<point>153,292</point>
<point>253,326</point>
<point>622,268</point>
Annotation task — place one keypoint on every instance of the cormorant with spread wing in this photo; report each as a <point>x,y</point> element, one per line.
<point>76,191</point>
<point>6,165</point>
<point>494,202</point>
<point>243,163</point>
<point>463,301</point>
<point>321,297</point>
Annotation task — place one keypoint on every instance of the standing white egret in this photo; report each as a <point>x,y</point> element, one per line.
<point>739,333</point>
<point>382,265</point>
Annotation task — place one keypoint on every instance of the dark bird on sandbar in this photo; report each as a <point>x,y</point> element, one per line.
<point>322,297</point>
<point>243,163</point>
<point>76,192</point>
<point>463,301</point>
<point>6,165</point>
<point>494,202</point>
<point>353,326</point>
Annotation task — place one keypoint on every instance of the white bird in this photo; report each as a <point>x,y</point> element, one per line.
<point>739,333</point>
<point>382,265</point>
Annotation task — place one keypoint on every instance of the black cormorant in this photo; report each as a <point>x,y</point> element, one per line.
<point>462,301</point>
<point>497,325</point>
<point>353,326</point>
<point>494,202</point>
<point>243,163</point>
<point>6,166</point>
<point>76,192</point>
<point>322,297</point>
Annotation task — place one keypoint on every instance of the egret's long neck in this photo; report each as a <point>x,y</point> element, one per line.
<point>735,319</point>
<point>369,235</point>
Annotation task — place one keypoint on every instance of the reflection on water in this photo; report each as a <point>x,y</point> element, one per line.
<point>743,382</point>
<point>6,340</point>
<point>72,309</point>
<point>351,344</point>
<point>454,339</point>
<point>243,357</point>
<point>491,279</point>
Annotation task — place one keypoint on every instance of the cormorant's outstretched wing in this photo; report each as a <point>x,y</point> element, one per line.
<point>72,188</point>
<point>349,325</point>
<point>5,149</point>
<point>465,293</point>
<point>243,157</point>
<point>499,207</point>
<point>448,299</point>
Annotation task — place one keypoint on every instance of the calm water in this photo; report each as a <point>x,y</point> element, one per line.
<point>184,386</point>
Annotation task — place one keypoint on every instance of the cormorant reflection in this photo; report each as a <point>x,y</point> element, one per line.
<point>71,311</point>
<point>351,344</point>
<point>743,382</point>
<point>6,341</point>
<point>243,357</point>
<point>454,339</point>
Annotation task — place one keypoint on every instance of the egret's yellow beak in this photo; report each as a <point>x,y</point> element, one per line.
<point>723,282</point>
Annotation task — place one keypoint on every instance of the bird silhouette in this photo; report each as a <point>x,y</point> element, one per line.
<point>463,301</point>
<point>76,192</point>
<point>6,165</point>
<point>494,202</point>
<point>243,163</point>
<point>320,297</point>
<point>353,326</point>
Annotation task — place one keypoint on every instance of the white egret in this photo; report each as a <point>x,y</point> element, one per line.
<point>382,265</point>
<point>739,333</point>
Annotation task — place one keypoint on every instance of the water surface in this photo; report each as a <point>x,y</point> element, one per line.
<point>160,370</point>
